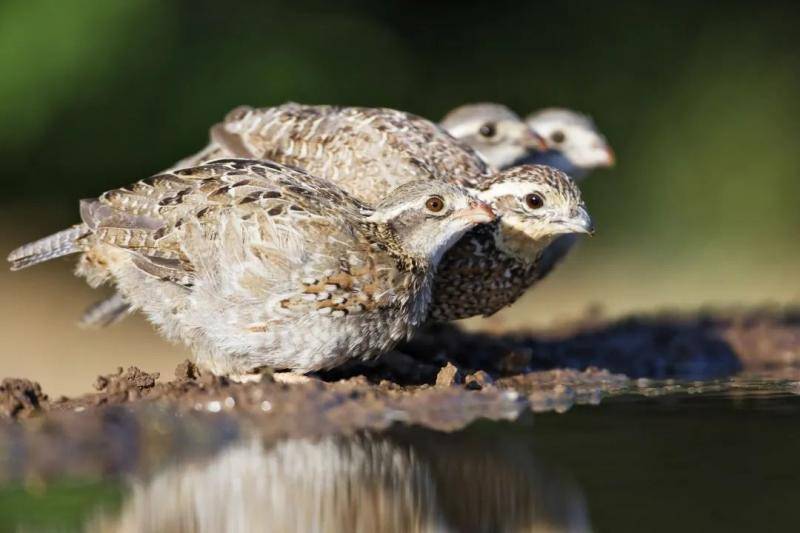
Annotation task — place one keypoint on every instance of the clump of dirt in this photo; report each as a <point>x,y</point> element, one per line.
<point>21,398</point>
<point>449,375</point>
<point>132,383</point>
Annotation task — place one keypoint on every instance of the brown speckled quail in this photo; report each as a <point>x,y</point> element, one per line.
<point>252,263</point>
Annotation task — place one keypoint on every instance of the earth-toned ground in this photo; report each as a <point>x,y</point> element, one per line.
<point>445,379</point>
<point>579,362</point>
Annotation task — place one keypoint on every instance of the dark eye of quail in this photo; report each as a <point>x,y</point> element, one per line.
<point>534,201</point>
<point>435,204</point>
<point>488,129</point>
<point>558,137</point>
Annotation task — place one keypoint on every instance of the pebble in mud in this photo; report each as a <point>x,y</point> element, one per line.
<point>448,376</point>
<point>478,380</point>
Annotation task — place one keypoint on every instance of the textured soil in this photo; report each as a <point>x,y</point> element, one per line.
<point>138,421</point>
<point>447,377</point>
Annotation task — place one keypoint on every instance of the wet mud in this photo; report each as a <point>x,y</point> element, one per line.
<point>446,377</point>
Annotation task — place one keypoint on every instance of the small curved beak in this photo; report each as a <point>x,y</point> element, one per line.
<point>478,213</point>
<point>611,157</point>
<point>583,222</point>
<point>533,141</point>
<point>579,221</point>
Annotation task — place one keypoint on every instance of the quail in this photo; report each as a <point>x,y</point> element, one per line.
<point>573,141</point>
<point>368,151</point>
<point>252,263</point>
<point>491,267</point>
<point>498,134</point>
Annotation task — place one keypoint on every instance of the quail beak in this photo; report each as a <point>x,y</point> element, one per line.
<point>611,158</point>
<point>477,213</point>
<point>533,141</point>
<point>578,222</point>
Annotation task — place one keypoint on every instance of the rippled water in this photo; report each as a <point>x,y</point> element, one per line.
<point>710,458</point>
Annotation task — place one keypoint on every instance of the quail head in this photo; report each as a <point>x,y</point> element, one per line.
<point>257,264</point>
<point>574,144</point>
<point>492,266</point>
<point>498,134</point>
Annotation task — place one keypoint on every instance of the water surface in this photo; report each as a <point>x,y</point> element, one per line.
<point>719,460</point>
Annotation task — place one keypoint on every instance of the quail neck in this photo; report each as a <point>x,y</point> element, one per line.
<point>572,144</point>
<point>252,263</point>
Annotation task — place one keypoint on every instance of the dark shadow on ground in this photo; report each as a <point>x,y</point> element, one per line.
<point>697,346</point>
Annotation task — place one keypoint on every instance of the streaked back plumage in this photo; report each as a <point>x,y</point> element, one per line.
<point>366,151</point>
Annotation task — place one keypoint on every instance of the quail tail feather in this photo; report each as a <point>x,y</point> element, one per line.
<point>62,243</point>
<point>105,312</point>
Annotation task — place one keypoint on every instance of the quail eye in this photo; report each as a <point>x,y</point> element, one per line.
<point>558,137</point>
<point>434,204</point>
<point>534,201</point>
<point>488,130</point>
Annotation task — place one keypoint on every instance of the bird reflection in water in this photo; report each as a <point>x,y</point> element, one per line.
<point>404,480</point>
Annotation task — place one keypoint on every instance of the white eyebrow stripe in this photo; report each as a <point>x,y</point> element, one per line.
<point>508,188</point>
<point>461,130</point>
<point>384,215</point>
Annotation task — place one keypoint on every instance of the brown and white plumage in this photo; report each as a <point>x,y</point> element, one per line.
<point>253,263</point>
<point>493,265</point>
<point>368,151</point>
<point>571,143</point>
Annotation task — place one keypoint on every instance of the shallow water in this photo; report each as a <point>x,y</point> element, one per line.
<point>716,458</point>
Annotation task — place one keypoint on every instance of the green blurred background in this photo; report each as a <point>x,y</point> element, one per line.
<point>701,102</point>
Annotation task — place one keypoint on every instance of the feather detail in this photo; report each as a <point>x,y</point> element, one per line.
<point>56,245</point>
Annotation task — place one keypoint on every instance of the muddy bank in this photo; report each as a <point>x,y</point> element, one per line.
<point>446,377</point>
<point>320,407</point>
<point>444,380</point>
<point>137,423</point>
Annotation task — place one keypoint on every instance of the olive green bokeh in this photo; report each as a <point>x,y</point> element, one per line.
<point>700,101</point>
